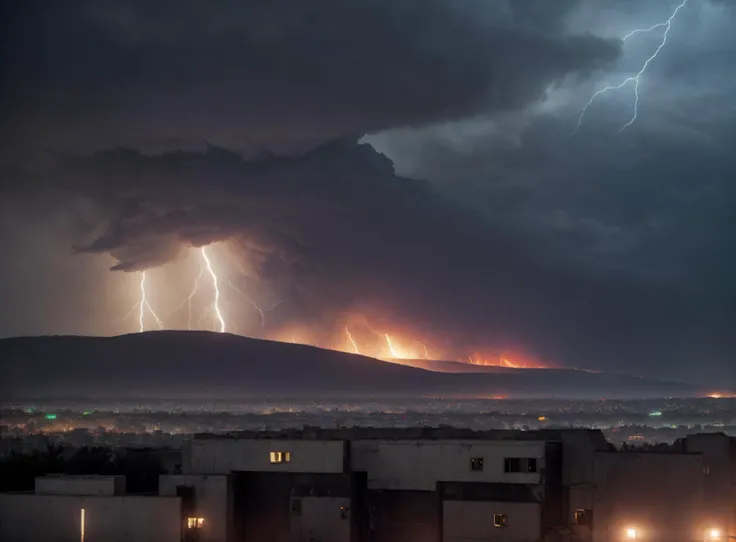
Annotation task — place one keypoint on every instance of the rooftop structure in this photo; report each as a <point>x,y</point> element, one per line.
<point>424,485</point>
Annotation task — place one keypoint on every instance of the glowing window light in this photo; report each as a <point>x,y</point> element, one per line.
<point>280,457</point>
<point>195,523</point>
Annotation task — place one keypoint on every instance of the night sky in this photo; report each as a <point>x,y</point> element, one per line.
<point>400,167</point>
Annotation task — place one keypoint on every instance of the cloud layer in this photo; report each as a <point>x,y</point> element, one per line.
<point>274,75</point>
<point>139,131</point>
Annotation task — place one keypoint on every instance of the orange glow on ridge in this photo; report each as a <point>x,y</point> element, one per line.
<point>352,341</point>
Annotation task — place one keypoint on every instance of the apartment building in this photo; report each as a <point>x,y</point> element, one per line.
<point>385,485</point>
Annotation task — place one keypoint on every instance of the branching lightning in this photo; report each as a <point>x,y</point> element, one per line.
<point>214,308</point>
<point>636,79</point>
<point>261,312</point>
<point>216,286</point>
<point>188,300</point>
<point>142,306</point>
<point>352,341</point>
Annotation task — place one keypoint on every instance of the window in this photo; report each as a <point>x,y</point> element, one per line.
<point>520,464</point>
<point>583,517</point>
<point>195,523</point>
<point>280,457</point>
<point>500,521</point>
<point>476,463</point>
<point>296,506</point>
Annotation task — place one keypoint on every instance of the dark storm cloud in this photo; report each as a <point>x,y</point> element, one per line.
<point>157,204</point>
<point>350,235</point>
<point>280,74</point>
<point>333,225</point>
<point>651,203</point>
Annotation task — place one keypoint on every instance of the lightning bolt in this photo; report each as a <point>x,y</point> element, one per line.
<point>503,362</point>
<point>216,286</point>
<point>261,312</point>
<point>636,79</point>
<point>352,341</point>
<point>204,315</point>
<point>142,306</point>
<point>188,300</point>
<point>426,350</point>
<point>391,347</point>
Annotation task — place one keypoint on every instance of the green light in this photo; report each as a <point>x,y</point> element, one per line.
<point>655,413</point>
<point>50,416</point>
<point>85,413</point>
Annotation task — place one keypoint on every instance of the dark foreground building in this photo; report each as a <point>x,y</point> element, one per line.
<point>399,485</point>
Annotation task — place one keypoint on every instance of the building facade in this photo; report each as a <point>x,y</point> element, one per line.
<point>403,485</point>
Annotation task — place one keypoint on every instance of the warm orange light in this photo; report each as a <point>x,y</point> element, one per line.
<point>356,334</point>
<point>352,341</point>
<point>397,352</point>
<point>515,361</point>
<point>714,534</point>
<point>394,353</point>
<point>542,418</point>
<point>195,523</point>
<point>632,533</point>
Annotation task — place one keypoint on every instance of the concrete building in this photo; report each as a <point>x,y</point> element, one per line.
<point>659,495</point>
<point>718,453</point>
<point>386,485</point>
<point>88,509</point>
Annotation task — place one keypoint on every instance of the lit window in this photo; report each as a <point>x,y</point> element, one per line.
<point>195,523</point>
<point>583,517</point>
<point>500,520</point>
<point>280,457</point>
<point>476,463</point>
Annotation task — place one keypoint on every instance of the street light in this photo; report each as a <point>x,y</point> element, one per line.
<point>632,533</point>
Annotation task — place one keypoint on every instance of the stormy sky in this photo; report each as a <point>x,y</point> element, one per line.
<point>409,167</point>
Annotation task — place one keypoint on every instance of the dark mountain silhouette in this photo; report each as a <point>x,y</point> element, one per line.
<point>203,364</point>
